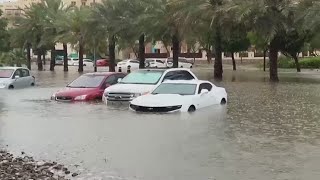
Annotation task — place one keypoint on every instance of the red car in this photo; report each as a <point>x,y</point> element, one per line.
<point>102,62</point>
<point>88,87</point>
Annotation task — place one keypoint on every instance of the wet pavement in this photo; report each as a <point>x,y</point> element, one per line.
<point>267,131</point>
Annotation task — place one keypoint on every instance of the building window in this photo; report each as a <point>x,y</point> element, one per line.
<point>83,3</point>
<point>73,3</point>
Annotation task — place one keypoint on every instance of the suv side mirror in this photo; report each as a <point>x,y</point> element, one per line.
<point>204,91</point>
<point>16,77</point>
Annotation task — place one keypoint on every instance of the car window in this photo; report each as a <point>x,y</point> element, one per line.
<point>120,76</point>
<point>25,73</point>
<point>133,61</point>
<point>205,86</point>
<point>87,81</point>
<point>178,75</point>
<point>17,73</point>
<point>112,79</point>
<point>176,88</point>
<point>142,77</point>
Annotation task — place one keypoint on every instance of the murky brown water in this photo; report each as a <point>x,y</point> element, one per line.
<point>267,131</point>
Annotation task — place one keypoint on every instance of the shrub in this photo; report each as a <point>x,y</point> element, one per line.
<point>305,63</point>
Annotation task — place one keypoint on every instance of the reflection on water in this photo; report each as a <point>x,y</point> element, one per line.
<point>267,131</point>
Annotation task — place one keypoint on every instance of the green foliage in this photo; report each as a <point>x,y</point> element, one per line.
<point>306,63</point>
<point>13,57</point>
<point>4,35</point>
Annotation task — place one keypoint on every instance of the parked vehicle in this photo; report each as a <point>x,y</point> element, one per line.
<point>73,61</point>
<point>59,60</point>
<point>86,62</point>
<point>102,62</point>
<point>144,81</point>
<point>183,63</point>
<point>183,96</point>
<point>155,63</point>
<point>87,87</point>
<point>131,64</point>
<point>15,77</point>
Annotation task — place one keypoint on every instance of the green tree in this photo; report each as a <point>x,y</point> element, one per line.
<point>260,43</point>
<point>4,34</point>
<point>74,28</point>
<point>236,40</point>
<point>14,57</point>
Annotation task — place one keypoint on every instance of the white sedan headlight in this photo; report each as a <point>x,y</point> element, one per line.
<point>79,98</point>
<point>137,94</point>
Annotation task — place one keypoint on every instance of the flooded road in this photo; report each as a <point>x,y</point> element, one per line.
<point>267,131</point>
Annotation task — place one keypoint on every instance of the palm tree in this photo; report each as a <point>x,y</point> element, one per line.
<point>73,28</point>
<point>52,8</point>
<point>271,20</point>
<point>212,15</point>
<point>28,31</point>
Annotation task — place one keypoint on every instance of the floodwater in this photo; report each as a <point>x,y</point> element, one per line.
<point>266,131</point>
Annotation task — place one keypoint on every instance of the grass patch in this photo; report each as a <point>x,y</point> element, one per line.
<point>305,63</point>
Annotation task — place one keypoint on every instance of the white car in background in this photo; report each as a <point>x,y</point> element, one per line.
<point>183,63</point>
<point>183,96</point>
<point>131,64</point>
<point>86,62</point>
<point>15,77</point>
<point>73,61</point>
<point>155,63</point>
<point>143,81</point>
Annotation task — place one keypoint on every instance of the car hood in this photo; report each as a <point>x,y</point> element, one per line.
<point>73,92</point>
<point>130,88</point>
<point>5,81</point>
<point>161,100</point>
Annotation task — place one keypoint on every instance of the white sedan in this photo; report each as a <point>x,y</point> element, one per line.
<point>124,65</point>
<point>86,62</point>
<point>181,95</point>
<point>15,77</point>
<point>155,63</point>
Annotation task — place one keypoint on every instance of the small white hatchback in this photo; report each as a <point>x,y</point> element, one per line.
<point>15,77</point>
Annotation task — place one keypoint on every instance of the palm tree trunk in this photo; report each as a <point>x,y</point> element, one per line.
<point>141,52</point>
<point>53,55</point>
<point>80,69</point>
<point>218,56</point>
<point>264,59</point>
<point>273,58</point>
<point>40,66</point>
<point>209,55</point>
<point>44,57</point>
<point>29,56</point>
<point>233,61</point>
<point>112,54</point>
<point>175,49</point>
<point>65,57</point>
<point>297,63</point>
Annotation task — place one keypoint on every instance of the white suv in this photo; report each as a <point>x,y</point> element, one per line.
<point>144,81</point>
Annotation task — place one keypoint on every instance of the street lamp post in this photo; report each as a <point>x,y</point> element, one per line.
<point>94,55</point>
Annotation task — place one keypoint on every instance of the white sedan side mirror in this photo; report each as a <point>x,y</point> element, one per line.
<point>119,80</point>
<point>204,91</point>
<point>16,77</point>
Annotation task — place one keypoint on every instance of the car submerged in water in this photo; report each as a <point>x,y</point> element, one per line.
<point>15,77</point>
<point>88,87</point>
<point>183,96</point>
<point>143,81</point>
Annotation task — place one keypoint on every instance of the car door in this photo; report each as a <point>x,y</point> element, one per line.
<point>26,78</point>
<point>134,64</point>
<point>18,82</point>
<point>160,63</point>
<point>208,98</point>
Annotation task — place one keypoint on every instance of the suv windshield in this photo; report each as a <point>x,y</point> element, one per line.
<point>142,77</point>
<point>6,73</point>
<point>173,88</point>
<point>87,81</point>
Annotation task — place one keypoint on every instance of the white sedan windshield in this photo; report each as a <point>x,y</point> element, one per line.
<point>142,77</point>
<point>173,88</point>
